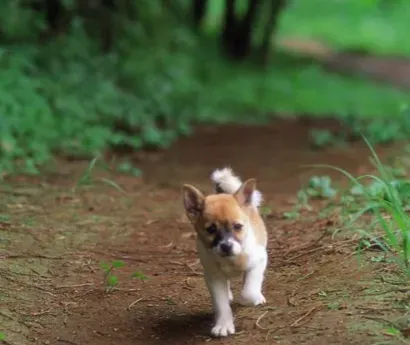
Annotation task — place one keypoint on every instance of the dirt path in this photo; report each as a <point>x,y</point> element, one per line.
<point>53,238</point>
<point>385,69</point>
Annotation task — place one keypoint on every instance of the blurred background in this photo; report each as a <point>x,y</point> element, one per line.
<point>80,76</point>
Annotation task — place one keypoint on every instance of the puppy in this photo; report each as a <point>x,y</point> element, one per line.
<point>231,242</point>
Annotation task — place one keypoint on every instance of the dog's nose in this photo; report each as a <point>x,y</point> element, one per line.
<point>226,247</point>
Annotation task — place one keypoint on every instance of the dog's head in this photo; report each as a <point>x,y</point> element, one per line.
<point>221,220</point>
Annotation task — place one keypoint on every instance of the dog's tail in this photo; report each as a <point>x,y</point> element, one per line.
<point>227,182</point>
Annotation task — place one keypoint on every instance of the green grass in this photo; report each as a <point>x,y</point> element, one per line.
<point>375,26</point>
<point>384,198</point>
<point>65,96</point>
<point>294,86</point>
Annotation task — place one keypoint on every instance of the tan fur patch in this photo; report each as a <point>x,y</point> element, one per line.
<point>224,211</point>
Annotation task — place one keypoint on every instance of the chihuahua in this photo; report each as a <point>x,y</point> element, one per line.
<point>231,242</point>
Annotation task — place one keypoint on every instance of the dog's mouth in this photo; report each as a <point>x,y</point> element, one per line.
<point>228,249</point>
<point>226,255</point>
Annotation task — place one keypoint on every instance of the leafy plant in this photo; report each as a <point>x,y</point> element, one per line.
<point>379,130</point>
<point>129,168</point>
<point>110,279</point>
<point>386,199</point>
<point>139,276</point>
<point>302,202</point>
<point>322,137</point>
<point>321,187</point>
<point>2,336</point>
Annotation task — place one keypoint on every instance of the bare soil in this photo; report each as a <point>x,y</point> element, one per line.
<point>54,234</point>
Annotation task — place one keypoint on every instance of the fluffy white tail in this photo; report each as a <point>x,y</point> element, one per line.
<point>227,182</point>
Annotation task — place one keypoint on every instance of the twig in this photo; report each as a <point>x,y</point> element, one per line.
<point>73,286</point>
<point>66,341</point>
<point>403,290</point>
<point>134,303</point>
<point>297,248</point>
<point>38,313</point>
<point>379,319</point>
<point>259,320</point>
<point>305,276</point>
<point>378,309</point>
<point>124,290</point>
<point>187,265</point>
<point>169,245</point>
<point>384,280</point>
<point>305,253</point>
<point>30,285</point>
<point>34,256</point>
<point>296,323</point>
<point>6,316</point>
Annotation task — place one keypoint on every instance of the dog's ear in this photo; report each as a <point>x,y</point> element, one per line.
<point>193,201</point>
<point>245,192</point>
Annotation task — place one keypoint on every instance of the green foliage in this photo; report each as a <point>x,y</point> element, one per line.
<point>2,336</point>
<point>372,26</point>
<point>382,130</point>
<point>64,95</point>
<point>377,130</point>
<point>128,168</point>
<point>321,137</point>
<point>321,187</point>
<point>110,279</point>
<point>386,199</point>
<point>139,276</point>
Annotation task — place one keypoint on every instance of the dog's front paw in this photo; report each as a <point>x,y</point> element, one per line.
<point>223,327</point>
<point>252,299</point>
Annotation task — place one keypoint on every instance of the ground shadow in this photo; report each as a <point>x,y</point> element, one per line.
<point>180,328</point>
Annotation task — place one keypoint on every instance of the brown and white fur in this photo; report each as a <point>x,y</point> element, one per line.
<point>231,242</point>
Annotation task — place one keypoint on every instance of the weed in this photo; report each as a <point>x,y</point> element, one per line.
<point>2,336</point>
<point>333,306</point>
<point>302,203</point>
<point>112,184</point>
<point>139,276</point>
<point>322,137</point>
<point>128,168</point>
<point>4,218</point>
<point>320,187</point>
<point>393,331</point>
<point>111,280</point>
<point>86,177</point>
<point>387,199</point>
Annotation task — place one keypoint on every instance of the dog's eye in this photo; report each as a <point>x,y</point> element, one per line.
<point>211,229</point>
<point>237,226</point>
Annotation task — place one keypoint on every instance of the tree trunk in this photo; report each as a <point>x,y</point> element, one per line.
<point>237,33</point>
<point>198,11</point>
<point>108,7</point>
<point>54,11</point>
<point>276,7</point>
<point>244,33</point>
<point>229,29</point>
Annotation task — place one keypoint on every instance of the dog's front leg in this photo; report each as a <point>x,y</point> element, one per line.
<point>219,289</point>
<point>251,294</point>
